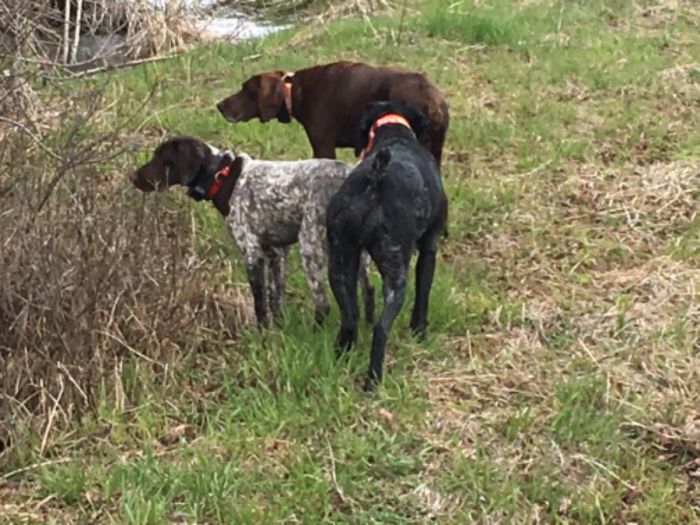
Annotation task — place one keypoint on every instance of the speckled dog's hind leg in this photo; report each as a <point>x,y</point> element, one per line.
<point>312,247</point>
<point>275,279</point>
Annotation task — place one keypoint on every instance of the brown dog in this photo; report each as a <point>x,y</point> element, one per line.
<point>328,101</point>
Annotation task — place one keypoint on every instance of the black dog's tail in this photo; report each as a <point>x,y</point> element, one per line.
<point>379,163</point>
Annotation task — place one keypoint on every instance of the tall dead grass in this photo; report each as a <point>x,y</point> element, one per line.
<point>78,32</point>
<point>93,276</point>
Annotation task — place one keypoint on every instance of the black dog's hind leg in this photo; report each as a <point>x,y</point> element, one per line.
<point>367,289</point>
<point>425,270</point>
<point>343,264</point>
<point>392,265</point>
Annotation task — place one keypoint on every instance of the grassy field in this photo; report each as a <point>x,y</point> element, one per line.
<point>560,381</point>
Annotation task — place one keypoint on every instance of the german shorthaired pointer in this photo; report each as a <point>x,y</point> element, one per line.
<point>267,205</point>
<point>391,203</point>
<point>328,101</point>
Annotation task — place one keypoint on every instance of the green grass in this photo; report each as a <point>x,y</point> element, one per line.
<point>559,372</point>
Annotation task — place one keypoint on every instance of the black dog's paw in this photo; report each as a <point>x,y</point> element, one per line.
<point>344,341</point>
<point>419,329</point>
<point>341,350</point>
<point>370,385</point>
<point>372,381</point>
<point>419,332</point>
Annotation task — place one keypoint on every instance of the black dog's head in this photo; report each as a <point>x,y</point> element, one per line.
<point>375,110</point>
<point>178,160</point>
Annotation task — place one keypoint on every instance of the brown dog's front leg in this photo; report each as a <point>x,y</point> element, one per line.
<point>324,151</point>
<point>322,144</point>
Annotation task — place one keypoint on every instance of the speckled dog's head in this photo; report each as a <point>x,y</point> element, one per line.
<point>179,160</point>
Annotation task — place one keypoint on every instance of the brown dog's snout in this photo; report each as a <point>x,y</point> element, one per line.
<point>231,109</point>
<point>225,109</point>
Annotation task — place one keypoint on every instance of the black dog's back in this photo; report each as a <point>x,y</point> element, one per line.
<point>396,186</point>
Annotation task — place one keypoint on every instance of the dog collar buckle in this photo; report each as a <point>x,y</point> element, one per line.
<point>218,180</point>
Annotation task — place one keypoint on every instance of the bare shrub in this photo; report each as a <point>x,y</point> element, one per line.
<point>94,276</point>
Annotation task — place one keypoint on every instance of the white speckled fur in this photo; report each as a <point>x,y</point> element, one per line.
<point>277,203</point>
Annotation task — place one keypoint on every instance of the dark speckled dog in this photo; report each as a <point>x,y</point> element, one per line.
<point>267,206</point>
<point>391,204</point>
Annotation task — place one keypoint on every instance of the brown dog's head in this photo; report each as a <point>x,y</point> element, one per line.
<point>179,160</point>
<point>261,96</point>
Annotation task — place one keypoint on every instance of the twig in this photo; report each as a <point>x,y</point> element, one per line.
<point>100,69</point>
<point>66,32</point>
<point>52,415</point>
<point>132,349</point>
<point>34,466</point>
<point>82,157</point>
<point>338,490</point>
<point>37,140</point>
<point>62,368</point>
<point>76,33</point>
<point>602,467</point>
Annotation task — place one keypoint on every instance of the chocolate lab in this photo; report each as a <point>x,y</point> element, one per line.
<point>391,203</point>
<point>328,101</point>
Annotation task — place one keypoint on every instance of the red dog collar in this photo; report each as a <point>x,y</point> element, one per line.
<point>389,118</point>
<point>218,181</point>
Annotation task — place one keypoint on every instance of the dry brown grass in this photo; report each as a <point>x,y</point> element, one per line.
<point>93,278</point>
<point>591,268</point>
<point>92,273</point>
<point>35,30</point>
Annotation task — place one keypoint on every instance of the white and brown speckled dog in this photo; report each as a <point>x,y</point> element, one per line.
<point>267,205</point>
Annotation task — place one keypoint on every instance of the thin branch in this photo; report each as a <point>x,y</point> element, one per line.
<point>66,32</point>
<point>33,467</point>
<point>37,140</point>
<point>76,33</point>
<point>100,69</point>
<point>334,480</point>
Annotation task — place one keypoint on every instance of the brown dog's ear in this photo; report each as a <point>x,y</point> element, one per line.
<point>270,96</point>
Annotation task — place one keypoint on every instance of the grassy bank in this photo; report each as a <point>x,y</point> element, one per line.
<point>559,382</point>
